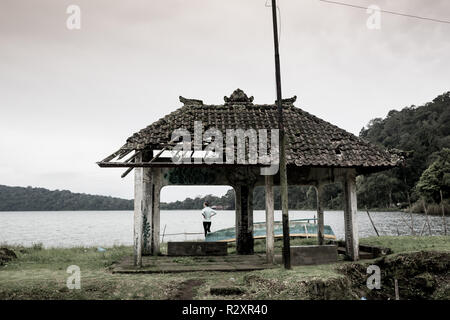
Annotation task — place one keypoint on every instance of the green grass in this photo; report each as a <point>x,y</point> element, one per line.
<point>40,273</point>
<point>409,243</point>
<point>184,260</point>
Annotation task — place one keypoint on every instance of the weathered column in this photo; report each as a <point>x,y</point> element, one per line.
<point>350,217</point>
<point>147,210</point>
<point>150,211</point>
<point>244,219</point>
<point>269,220</point>
<point>320,215</point>
<point>156,211</point>
<point>139,191</point>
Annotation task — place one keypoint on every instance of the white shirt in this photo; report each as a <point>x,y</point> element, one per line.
<point>207,213</point>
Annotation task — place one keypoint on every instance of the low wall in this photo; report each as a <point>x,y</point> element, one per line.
<point>195,248</point>
<point>310,255</point>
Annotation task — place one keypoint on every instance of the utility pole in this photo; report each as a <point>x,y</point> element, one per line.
<point>283,174</point>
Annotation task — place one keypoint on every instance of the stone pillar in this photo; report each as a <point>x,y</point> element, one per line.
<point>155,247</point>
<point>147,210</point>
<point>150,211</point>
<point>269,220</point>
<point>244,219</point>
<point>138,213</point>
<point>320,215</point>
<point>350,217</point>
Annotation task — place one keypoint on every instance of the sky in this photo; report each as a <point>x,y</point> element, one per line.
<point>69,98</point>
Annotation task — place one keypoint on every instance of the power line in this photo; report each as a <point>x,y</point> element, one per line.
<point>386,11</point>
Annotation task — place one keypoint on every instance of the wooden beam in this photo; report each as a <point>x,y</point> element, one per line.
<point>426,215</point>
<point>126,172</point>
<point>137,153</point>
<point>443,213</point>
<point>373,224</point>
<point>112,156</point>
<point>172,164</point>
<point>158,154</point>
<point>170,144</point>
<point>123,154</point>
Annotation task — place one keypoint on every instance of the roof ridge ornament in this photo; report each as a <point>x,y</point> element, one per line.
<point>190,102</point>
<point>288,100</point>
<point>238,97</point>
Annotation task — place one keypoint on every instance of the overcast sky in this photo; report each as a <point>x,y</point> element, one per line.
<point>69,98</point>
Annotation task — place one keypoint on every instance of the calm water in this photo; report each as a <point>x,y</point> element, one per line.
<point>107,228</point>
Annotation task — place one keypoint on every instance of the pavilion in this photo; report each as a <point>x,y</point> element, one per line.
<point>317,153</point>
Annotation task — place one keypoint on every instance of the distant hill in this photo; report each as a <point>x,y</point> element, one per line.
<point>423,132</point>
<point>40,199</point>
<point>226,202</point>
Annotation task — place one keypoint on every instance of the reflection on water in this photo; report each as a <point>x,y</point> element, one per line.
<point>107,228</point>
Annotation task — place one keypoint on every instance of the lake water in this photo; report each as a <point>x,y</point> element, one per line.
<point>108,228</point>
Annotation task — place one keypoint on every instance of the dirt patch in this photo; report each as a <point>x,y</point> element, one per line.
<point>225,290</point>
<point>6,255</point>
<point>186,290</point>
<point>421,276</point>
<point>332,289</point>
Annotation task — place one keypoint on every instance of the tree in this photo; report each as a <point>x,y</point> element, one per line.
<point>436,178</point>
<point>419,131</point>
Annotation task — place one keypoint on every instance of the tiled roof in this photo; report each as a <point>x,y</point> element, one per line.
<point>310,141</point>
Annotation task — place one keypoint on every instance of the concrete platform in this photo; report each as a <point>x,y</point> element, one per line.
<point>167,264</point>
<point>197,248</point>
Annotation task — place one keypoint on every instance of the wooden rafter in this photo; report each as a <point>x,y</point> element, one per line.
<point>112,156</point>
<point>139,152</point>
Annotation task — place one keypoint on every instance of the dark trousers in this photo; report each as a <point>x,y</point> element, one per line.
<point>206,227</point>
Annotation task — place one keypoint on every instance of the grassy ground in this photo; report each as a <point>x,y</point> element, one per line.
<point>40,273</point>
<point>410,243</point>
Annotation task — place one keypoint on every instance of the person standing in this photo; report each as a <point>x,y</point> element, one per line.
<point>207,214</point>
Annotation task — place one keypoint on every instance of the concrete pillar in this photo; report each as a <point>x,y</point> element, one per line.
<point>151,190</point>
<point>350,217</point>
<point>244,219</point>
<point>147,210</point>
<point>138,213</point>
<point>320,215</point>
<point>155,247</point>
<point>269,220</point>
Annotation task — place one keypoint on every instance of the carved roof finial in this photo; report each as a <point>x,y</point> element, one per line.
<point>189,102</point>
<point>238,97</point>
<point>288,100</point>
